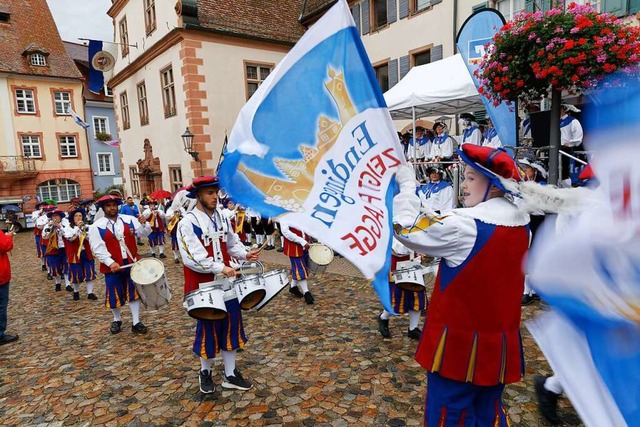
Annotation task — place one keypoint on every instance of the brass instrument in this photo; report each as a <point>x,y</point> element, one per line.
<point>239,220</point>
<point>174,221</point>
<point>48,227</point>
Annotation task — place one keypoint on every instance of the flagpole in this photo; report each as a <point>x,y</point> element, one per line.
<point>224,147</point>
<point>104,41</point>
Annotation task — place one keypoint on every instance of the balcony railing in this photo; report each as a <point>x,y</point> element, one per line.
<point>17,164</point>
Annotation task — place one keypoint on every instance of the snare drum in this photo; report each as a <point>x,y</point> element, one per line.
<point>250,290</point>
<point>206,303</point>
<point>320,256</point>
<point>151,283</point>
<point>410,279</point>
<point>274,282</point>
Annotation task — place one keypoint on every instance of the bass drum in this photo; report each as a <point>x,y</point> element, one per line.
<point>320,256</point>
<point>151,283</point>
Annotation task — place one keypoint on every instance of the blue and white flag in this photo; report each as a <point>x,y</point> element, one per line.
<point>101,61</point>
<point>77,119</point>
<point>476,32</point>
<point>315,146</point>
<point>590,274</point>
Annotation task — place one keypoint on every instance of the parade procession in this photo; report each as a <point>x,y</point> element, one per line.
<point>320,212</point>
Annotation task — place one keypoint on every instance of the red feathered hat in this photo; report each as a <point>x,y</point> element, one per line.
<point>108,198</point>
<point>492,162</point>
<point>201,182</point>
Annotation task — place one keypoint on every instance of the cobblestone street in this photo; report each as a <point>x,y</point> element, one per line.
<point>323,364</point>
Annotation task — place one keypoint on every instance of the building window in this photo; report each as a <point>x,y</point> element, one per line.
<point>124,108</point>
<point>25,101</point>
<point>135,181</point>
<point>60,190</point>
<point>379,13</point>
<point>31,146</point>
<point>105,164</point>
<point>100,125</point>
<point>62,101</point>
<point>68,146</point>
<point>124,37</point>
<point>421,58</point>
<point>143,107</point>
<point>509,8</point>
<point>150,15</point>
<point>38,60</point>
<point>168,92</point>
<point>382,74</point>
<point>255,75</point>
<point>175,177</point>
<point>108,91</point>
<point>594,4</point>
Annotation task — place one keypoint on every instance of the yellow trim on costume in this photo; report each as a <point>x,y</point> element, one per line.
<point>503,360</point>
<point>471,366</point>
<point>424,221</point>
<point>228,345</point>
<point>203,347</point>
<point>437,359</point>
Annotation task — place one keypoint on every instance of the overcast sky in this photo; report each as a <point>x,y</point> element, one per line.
<point>82,18</point>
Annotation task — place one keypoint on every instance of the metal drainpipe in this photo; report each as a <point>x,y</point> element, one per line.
<point>455,25</point>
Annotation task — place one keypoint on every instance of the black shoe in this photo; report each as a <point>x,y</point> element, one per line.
<point>49,276</point>
<point>140,244</point>
<point>68,288</point>
<point>206,382</point>
<point>547,401</point>
<point>6,339</point>
<point>280,250</point>
<point>236,381</point>
<point>270,248</point>
<point>293,290</point>
<point>92,297</point>
<point>308,298</point>
<point>44,268</point>
<point>139,328</point>
<point>154,255</point>
<point>383,327</point>
<point>58,287</point>
<point>76,296</point>
<point>414,333</point>
<point>162,255</point>
<point>527,300</point>
<point>116,326</point>
<point>177,261</point>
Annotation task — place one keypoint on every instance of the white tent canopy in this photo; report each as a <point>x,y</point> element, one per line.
<point>442,87</point>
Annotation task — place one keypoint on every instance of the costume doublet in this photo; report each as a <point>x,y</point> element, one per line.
<point>403,301</point>
<point>81,264</point>
<point>156,221</point>
<point>206,246</point>
<point>294,242</point>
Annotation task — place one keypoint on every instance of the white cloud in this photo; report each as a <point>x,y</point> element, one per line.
<point>82,19</point>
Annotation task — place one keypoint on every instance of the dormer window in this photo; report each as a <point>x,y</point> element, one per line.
<point>38,60</point>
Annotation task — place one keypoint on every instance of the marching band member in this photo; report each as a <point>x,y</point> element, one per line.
<point>471,130</point>
<point>490,137</point>
<point>207,243</point>
<point>81,264</point>
<point>256,226</point>
<point>55,253</point>
<point>437,195</point>
<point>471,344</point>
<point>403,301</point>
<point>155,217</point>
<point>269,230</point>
<point>180,205</point>
<point>113,241</point>
<point>37,232</point>
<point>296,247</point>
<point>442,144</point>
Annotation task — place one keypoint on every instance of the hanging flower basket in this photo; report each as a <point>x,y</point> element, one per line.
<point>102,136</point>
<point>538,52</point>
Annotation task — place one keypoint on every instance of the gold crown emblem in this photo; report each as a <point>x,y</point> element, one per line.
<point>291,193</point>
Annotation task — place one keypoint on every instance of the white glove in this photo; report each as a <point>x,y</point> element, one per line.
<point>406,208</point>
<point>406,179</point>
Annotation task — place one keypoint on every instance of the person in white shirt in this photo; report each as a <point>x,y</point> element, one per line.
<point>155,217</point>
<point>437,194</point>
<point>490,137</point>
<point>55,252</point>
<point>571,135</point>
<point>471,131</point>
<point>442,144</point>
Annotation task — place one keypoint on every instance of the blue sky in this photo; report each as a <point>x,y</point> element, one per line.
<point>82,18</point>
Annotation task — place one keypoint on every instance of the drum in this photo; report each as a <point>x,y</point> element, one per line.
<point>320,256</point>
<point>248,268</point>
<point>207,303</point>
<point>410,278</point>
<point>151,283</point>
<point>250,290</point>
<point>274,282</point>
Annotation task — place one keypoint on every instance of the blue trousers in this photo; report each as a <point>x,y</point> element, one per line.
<point>454,403</point>
<point>4,303</point>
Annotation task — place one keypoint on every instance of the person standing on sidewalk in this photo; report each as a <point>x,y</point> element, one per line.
<point>6,244</point>
<point>296,247</point>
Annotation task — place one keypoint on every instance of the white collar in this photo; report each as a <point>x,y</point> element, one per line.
<point>496,211</point>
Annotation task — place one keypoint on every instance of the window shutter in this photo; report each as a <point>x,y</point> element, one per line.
<point>634,6</point>
<point>366,14</point>
<point>546,5</point>
<point>436,53</point>
<point>529,6</point>
<point>616,7</point>
<point>404,8</point>
<point>435,2</point>
<point>355,11</point>
<point>392,11</point>
<point>393,73</point>
<point>480,6</point>
<point>404,66</point>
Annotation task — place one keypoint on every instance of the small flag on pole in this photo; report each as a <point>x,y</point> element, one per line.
<point>77,119</point>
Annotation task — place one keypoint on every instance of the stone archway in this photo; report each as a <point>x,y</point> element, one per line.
<point>149,171</point>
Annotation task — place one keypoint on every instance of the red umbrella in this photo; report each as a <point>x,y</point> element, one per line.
<point>160,194</point>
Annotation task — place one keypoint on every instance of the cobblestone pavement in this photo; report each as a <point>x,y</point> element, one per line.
<point>324,364</point>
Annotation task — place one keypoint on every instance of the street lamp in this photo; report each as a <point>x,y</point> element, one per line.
<point>187,141</point>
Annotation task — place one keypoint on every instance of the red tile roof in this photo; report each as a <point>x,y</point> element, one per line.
<point>31,27</point>
<point>269,20</point>
<point>80,55</point>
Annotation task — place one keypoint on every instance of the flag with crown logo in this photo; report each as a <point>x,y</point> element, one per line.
<point>315,146</point>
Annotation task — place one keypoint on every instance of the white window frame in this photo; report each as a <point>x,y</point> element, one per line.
<point>31,144</point>
<point>26,99</point>
<point>53,190</point>
<point>68,142</point>
<point>167,81</point>
<point>258,78</point>
<point>38,60</point>
<point>106,125</point>
<point>175,184</point>
<point>513,9</point>
<point>107,91</point>
<point>112,169</point>
<point>63,104</point>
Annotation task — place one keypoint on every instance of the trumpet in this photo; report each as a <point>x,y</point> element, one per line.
<point>48,227</point>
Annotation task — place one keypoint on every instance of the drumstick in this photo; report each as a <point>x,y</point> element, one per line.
<point>262,247</point>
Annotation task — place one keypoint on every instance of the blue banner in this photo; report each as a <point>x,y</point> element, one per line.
<point>473,40</point>
<point>96,78</point>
